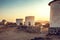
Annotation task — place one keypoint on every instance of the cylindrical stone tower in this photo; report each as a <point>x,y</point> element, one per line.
<point>54,16</point>
<point>19,21</point>
<point>29,21</point>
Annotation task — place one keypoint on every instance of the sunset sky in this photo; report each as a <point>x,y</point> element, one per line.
<point>12,9</point>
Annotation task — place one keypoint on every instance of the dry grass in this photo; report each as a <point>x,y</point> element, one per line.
<point>13,34</point>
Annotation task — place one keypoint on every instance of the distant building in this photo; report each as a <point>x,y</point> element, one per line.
<point>29,21</point>
<point>19,21</point>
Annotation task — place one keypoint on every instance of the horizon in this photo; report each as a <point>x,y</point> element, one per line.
<point>12,9</point>
<point>42,21</point>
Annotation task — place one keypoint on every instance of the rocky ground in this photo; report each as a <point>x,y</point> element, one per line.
<point>14,34</point>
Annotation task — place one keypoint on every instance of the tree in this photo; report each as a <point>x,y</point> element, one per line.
<point>38,24</point>
<point>3,21</point>
<point>47,25</point>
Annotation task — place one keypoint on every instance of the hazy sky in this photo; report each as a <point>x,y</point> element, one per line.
<point>12,9</point>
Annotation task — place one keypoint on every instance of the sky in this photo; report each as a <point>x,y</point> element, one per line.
<point>12,9</point>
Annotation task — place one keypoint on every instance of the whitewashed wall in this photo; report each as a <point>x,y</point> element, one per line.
<point>18,21</point>
<point>29,19</point>
<point>55,14</point>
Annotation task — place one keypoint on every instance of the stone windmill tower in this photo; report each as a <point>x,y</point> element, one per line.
<point>54,17</point>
